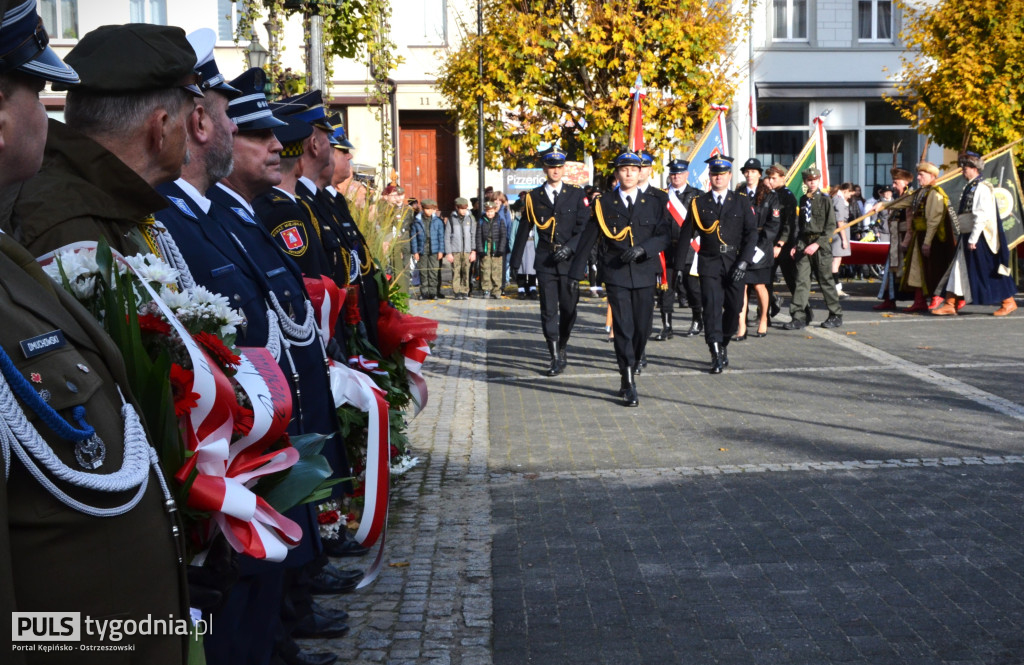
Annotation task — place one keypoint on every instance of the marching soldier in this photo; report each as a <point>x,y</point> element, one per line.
<point>813,253</point>
<point>631,228</point>
<point>559,212</point>
<point>724,223</point>
<point>679,257</point>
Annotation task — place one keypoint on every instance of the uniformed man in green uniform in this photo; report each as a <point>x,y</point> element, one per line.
<point>57,555</point>
<point>816,221</point>
<point>125,134</point>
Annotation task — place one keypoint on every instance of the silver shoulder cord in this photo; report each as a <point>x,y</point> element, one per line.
<point>19,435</point>
<point>172,255</point>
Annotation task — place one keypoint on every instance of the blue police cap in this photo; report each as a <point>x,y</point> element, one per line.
<point>24,46</point>
<point>291,134</point>
<point>647,158</point>
<point>308,107</point>
<point>628,158</point>
<point>719,164</point>
<point>553,157</point>
<point>678,166</point>
<point>251,111</point>
<point>210,78</point>
<point>339,139</point>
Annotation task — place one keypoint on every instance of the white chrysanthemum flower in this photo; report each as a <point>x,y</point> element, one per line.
<point>151,268</point>
<point>83,287</point>
<point>402,464</point>
<point>174,299</point>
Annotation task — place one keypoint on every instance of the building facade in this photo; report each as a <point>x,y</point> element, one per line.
<point>806,58</point>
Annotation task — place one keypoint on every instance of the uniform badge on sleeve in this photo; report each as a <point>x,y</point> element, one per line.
<point>182,206</point>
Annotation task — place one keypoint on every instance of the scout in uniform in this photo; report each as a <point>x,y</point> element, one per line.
<point>724,223</point>
<point>559,212</point>
<point>630,230</point>
<point>813,253</point>
<point>86,524</point>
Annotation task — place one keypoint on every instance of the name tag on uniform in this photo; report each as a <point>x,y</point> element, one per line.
<point>276,271</point>
<point>223,270</point>
<point>41,344</point>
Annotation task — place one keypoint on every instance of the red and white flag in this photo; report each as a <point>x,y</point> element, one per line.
<point>636,116</point>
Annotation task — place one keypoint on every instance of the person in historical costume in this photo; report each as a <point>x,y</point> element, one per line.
<point>980,271</point>
<point>813,255</point>
<point>86,522</point>
<point>724,222</point>
<point>558,211</point>
<point>898,224</point>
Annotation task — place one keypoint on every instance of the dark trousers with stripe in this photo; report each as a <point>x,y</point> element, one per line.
<point>632,312</point>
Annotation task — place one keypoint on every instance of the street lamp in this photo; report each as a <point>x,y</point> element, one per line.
<point>257,55</point>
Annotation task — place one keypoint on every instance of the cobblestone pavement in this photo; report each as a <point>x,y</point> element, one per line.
<point>836,496</point>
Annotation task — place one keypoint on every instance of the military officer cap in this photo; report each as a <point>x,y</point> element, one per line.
<point>135,57</point>
<point>292,135</point>
<point>462,202</point>
<point>778,168</point>
<point>719,164</point>
<point>678,166</point>
<point>928,167</point>
<point>24,46</point>
<point>646,158</point>
<point>553,157</point>
<point>210,78</point>
<point>251,112</point>
<point>752,164</point>
<point>308,107</point>
<point>338,138</point>
<point>812,173</point>
<point>970,158</point>
<point>429,203</point>
<point>628,158</point>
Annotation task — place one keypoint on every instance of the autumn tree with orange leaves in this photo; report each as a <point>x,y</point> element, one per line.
<point>561,70</point>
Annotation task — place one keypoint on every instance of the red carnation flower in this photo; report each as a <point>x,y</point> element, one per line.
<point>181,390</point>
<point>222,355</point>
<point>328,517</point>
<point>352,316</point>
<point>243,421</point>
<point>151,323</point>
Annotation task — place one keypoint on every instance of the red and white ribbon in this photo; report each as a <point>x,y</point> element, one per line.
<point>416,352</point>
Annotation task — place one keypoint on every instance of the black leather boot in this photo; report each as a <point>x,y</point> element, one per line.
<point>623,383</point>
<point>716,358</point>
<point>555,368</point>
<point>563,358</point>
<point>725,353</point>
<point>696,325</point>
<point>641,364</point>
<point>666,327</point>
<point>630,397</point>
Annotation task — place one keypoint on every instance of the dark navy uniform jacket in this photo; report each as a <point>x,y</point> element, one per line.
<point>649,224</point>
<point>291,225</point>
<point>571,213</point>
<point>731,235</point>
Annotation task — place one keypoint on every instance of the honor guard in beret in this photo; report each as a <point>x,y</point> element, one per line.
<point>134,80</point>
<point>812,253</point>
<point>724,225</point>
<point>289,220</point>
<point>88,530</point>
<point>679,258</point>
<point>630,230</point>
<point>558,212</point>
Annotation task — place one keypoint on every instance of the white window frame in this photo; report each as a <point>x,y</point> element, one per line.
<point>789,22</point>
<point>56,31</point>
<point>235,13</point>
<point>147,17</point>
<point>874,38</point>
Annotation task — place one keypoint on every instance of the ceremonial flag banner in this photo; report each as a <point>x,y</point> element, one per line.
<point>636,116</point>
<point>712,142</point>
<point>814,153</point>
<point>1000,171</point>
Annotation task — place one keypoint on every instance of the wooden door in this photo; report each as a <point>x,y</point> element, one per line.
<point>427,158</point>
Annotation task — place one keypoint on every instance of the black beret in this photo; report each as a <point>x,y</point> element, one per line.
<point>135,57</point>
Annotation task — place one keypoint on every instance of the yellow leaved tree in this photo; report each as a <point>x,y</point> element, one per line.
<point>966,72</point>
<point>562,70</point>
